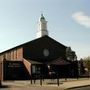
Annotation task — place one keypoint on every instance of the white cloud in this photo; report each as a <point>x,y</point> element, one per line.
<point>82,19</point>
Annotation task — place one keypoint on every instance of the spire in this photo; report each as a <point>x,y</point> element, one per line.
<point>42,17</point>
<point>42,31</point>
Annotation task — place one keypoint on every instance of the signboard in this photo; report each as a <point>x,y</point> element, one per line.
<point>14,64</point>
<point>13,70</point>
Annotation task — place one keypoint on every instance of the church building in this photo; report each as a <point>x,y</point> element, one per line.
<point>42,56</point>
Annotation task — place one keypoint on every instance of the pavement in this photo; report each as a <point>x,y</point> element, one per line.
<point>46,84</point>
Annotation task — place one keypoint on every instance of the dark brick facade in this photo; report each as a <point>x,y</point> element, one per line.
<point>34,50</point>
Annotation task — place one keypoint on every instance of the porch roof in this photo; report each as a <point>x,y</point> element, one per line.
<point>59,61</point>
<point>34,62</point>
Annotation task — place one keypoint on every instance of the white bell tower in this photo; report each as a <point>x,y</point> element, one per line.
<point>42,30</point>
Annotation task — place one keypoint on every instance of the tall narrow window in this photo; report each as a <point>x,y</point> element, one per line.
<point>33,69</point>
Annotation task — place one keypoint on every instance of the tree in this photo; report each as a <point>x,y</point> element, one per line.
<point>81,66</point>
<point>70,55</point>
<point>87,63</point>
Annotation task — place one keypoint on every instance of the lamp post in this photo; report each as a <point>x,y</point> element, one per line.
<point>0,83</point>
<point>49,73</point>
<point>57,79</point>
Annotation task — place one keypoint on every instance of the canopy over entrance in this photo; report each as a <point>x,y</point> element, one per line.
<point>59,61</point>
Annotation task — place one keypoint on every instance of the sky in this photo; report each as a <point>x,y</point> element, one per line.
<point>68,23</point>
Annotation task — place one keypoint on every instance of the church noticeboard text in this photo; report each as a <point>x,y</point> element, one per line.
<point>14,65</point>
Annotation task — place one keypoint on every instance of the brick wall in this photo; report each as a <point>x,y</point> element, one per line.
<point>19,53</point>
<point>14,54</point>
<point>27,65</point>
<point>0,71</point>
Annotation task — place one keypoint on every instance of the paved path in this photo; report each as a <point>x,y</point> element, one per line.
<point>82,88</point>
<point>46,85</point>
<point>76,83</point>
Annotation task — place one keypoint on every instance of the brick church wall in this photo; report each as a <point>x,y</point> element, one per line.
<point>27,65</point>
<point>19,53</point>
<point>0,71</point>
<point>14,54</point>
